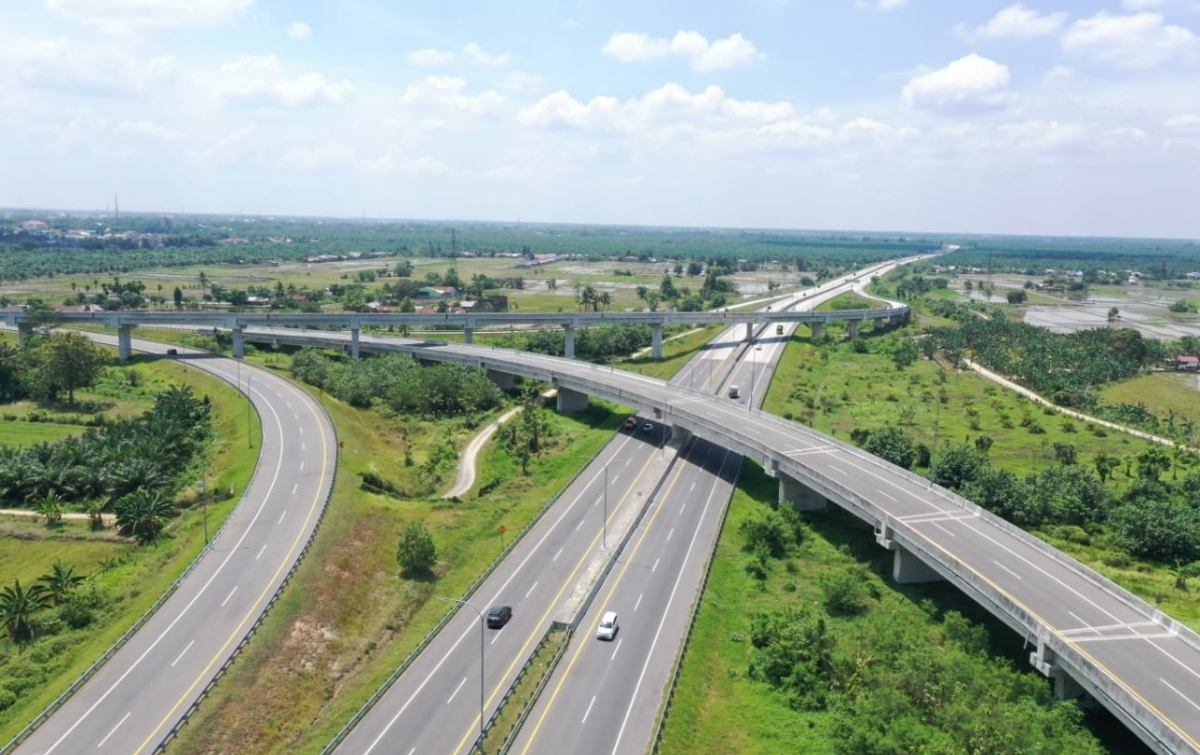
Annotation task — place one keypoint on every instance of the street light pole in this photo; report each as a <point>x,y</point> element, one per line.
<point>482,632</point>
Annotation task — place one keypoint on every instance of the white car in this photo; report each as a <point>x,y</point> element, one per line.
<point>608,626</point>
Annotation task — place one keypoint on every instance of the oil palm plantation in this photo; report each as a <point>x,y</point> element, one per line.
<point>18,604</point>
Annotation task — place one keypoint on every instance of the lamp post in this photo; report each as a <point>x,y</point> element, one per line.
<point>482,626</point>
<point>604,521</point>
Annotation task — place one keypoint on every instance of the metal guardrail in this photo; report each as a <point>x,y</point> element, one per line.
<point>141,621</point>
<point>374,699</point>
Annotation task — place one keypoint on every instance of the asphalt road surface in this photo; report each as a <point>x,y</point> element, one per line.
<point>135,699</point>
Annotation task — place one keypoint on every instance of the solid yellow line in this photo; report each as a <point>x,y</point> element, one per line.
<point>1060,636</point>
<point>254,608</point>
<point>612,589</point>
<point>473,727</point>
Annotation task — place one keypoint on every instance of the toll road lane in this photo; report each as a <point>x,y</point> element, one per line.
<point>651,591</point>
<point>135,699</point>
<point>545,572</point>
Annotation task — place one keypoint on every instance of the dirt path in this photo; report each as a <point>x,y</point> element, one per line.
<point>1001,380</point>
<point>466,465</point>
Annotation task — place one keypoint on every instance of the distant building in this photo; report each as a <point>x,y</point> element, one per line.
<point>1188,363</point>
<point>436,292</point>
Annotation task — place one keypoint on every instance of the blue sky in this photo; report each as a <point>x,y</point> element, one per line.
<point>1072,117</point>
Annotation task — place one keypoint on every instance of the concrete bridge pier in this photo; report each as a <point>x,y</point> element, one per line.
<point>354,352</point>
<point>853,324</point>
<point>570,401</point>
<point>879,322</point>
<point>907,568</point>
<point>125,342</point>
<point>503,380</point>
<point>656,342</point>
<point>24,331</point>
<point>1045,661</point>
<point>239,349</point>
<point>569,346</point>
<point>468,335</point>
<point>749,331</point>
<point>817,327</point>
<point>680,435</point>
<point>795,493</point>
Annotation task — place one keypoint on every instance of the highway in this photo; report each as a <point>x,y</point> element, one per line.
<point>1141,665</point>
<point>434,706</point>
<point>135,699</point>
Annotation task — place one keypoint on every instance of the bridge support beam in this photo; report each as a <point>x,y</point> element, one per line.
<point>907,568</point>
<point>125,342</point>
<point>749,331</point>
<point>503,380</point>
<point>879,322</point>
<point>468,335</point>
<point>799,496</point>
<point>569,344</point>
<point>680,435</point>
<point>853,325</point>
<point>354,352</point>
<point>1045,661</point>
<point>570,401</point>
<point>24,331</point>
<point>817,327</point>
<point>239,349</point>
<point>656,342</point>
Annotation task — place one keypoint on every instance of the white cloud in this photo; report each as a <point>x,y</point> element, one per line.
<point>484,58</point>
<point>1019,22</point>
<point>299,30</point>
<point>635,47</point>
<point>1189,122</point>
<point>263,81</point>
<point>669,103</point>
<point>1142,40</point>
<point>127,16</point>
<point>148,129</point>
<point>1044,136</point>
<point>880,5</point>
<point>430,58</point>
<point>446,92</point>
<point>969,84</point>
<point>234,145</point>
<point>730,52</point>
<point>62,65</point>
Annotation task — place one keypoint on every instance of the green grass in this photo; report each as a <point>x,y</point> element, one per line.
<point>21,560</point>
<point>346,621</point>
<point>143,574</point>
<point>30,433</point>
<point>1162,392</point>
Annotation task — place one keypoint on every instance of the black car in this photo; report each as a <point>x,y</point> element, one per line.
<point>498,616</point>
<point>172,352</point>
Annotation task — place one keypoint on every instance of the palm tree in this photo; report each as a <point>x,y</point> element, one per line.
<point>59,582</point>
<point>51,507</point>
<point>203,284</point>
<point>143,514</point>
<point>17,607</point>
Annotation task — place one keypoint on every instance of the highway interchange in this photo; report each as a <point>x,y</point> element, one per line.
<point>434,707</point>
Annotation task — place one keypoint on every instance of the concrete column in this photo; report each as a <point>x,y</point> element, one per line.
<point>24,331</point>
<point>354,352</point>
<point>817,327</point>
<point>749,331</point>
<point>879,321</point>
<point>503,380</point>
<point>125,342</point>
<point>468,335</point>
<point>570,401</point>
<point>239,350</point>
<point>656,342</point>
<point>907,569</point>
<point>799,496</point>
<point>1065,686</point>
<point>853,329</point>
<point>569,348</point>
<point>680,435</point>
